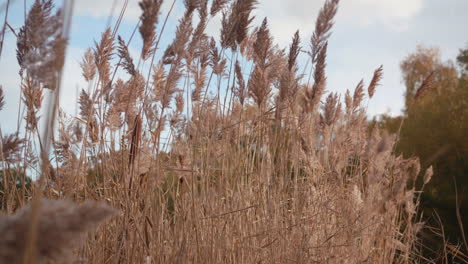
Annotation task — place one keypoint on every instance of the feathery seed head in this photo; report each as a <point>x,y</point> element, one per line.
<point>375,81</point>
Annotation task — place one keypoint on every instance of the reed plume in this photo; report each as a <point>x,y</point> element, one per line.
<point>323,26</point>
<point>11,146</point>
<point>2,98</point>
<point>62,227</point>
<point>103,52</point>
<point>40,46</point>
<point>331,110</point>
<point>200,78</point>
<point>149,20</point>
<point>358,95</point>
<point>294,50</point>
<point>312,95</point>
<point>235,23</point>
<point>425,85</point>
<point>32,97</point>
<point>86,105</point>
<point>289,82</point>
<point>262,44</point>
<point>124,55</point>
<point>428,175</point>
<point>218,5</point>
<point>196,46</point>
<point>240,91</point>
<point>376,78</point>
<point>88,66</point>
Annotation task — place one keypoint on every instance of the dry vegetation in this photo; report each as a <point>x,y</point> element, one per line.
<point>221,152</point>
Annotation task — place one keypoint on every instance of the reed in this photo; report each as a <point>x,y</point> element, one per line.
<point>280,172</point>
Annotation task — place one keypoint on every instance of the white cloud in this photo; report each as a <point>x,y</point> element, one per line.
<point>393,14</point>
<point>9,79</point>
<point>72,80</point>
<point>372,11</point>
<point>285,17</point>
<point>104,8</point>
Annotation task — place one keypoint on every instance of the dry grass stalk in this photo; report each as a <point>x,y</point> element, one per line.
<point>200,79</point>
<point>135,141</point>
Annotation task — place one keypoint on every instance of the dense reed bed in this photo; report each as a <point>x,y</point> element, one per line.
<point>212,151</point>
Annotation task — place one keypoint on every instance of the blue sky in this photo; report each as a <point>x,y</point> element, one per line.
<point>367,33</point>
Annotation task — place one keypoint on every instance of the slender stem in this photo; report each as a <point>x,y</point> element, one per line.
<point>4,28</point>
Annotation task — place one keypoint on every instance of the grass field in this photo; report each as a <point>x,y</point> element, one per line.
<point>208,152</point>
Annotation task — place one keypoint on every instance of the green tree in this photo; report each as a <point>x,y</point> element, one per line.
<point>417,66</point>
<point>434,128</point>
<point>462,59</point>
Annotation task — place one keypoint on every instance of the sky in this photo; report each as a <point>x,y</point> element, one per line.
<point>366,34</point>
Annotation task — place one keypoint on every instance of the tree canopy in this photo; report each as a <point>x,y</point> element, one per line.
<point>434,128</point>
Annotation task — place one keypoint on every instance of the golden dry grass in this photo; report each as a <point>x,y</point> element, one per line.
<point>219,153</point>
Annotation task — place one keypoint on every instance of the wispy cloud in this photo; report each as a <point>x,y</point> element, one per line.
<point>287,16</point>
<point>105,8</point>
<point>367,33</point>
